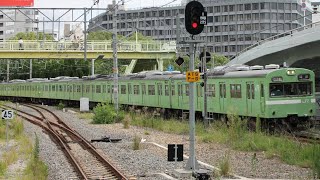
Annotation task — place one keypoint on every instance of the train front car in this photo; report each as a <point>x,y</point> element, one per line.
<point>290,97</point>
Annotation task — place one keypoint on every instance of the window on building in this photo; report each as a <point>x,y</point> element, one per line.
<point>255,6</point>
<point>217,49</point>
<point>232,17</point>
<point>247,16</point>
<point>226,49</point>
<point>217,38</point>
<point>255,16</point>
<point>225,8</point>
<point>273,5</point>
<point>239,7</point>
<point>217,9</point>
<point>232,38</point>
<point>217,19</point>
<point>247,27</point>
<point>231,8</point>
<point>281,6</point>
<point>217,29</point>
<point>225,18</point>
<point>240,37</point>
<point>247,7</point>
<point>240,17</point>
<point>210,9</point>
<point>240,27</point>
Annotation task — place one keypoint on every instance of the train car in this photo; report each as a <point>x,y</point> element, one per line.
<point>275,95</point>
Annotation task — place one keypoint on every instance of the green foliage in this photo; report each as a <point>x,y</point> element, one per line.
<point>237,128</point>
<point>105,114</point>
<point>225,166</point>
<point>136,143</point>
<point>100,35</point>
<point>36,169</point>
<point>60,105</point>
<point>86,116</point>
<point>3,168</point>
<point>32,36</point>
<point>17,126</point>
<point>139,37</point>
<point>219,60</point>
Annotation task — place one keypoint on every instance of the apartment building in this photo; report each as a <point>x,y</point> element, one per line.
<point>232,24</point>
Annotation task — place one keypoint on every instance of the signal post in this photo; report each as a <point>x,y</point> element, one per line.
<point>195,19</point>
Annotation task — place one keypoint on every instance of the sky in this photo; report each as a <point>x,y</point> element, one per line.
<point>131,4</point>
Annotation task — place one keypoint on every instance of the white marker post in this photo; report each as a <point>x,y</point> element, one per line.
<point>7,115</point>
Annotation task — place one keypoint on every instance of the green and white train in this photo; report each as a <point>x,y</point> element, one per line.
<point>275,95</point>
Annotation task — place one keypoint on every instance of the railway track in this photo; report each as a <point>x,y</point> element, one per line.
<point>309,136</point>
<point>86,160</point>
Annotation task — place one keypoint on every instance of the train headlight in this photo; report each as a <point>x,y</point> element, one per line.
<point>291,72</point>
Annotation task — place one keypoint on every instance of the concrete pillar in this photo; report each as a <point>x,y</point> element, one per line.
<point>160,64</point>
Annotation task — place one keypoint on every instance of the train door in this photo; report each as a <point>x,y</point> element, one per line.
<point>180,99</point>
<point>222,96</point>
<point>159,86</point>
<point>250,97</point>
<point>129,93</point>
<point>262,98</point>
<point>143,92</point>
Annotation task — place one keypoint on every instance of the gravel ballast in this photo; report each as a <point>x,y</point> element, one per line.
<point>150,159</point>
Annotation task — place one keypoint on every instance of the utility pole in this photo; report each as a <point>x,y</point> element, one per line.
<point>115,58</point>
<point>30,72</point>
<point>85,34</point>
<point>8,70</point>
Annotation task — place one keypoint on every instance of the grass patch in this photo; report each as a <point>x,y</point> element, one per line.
<point>225,166</point>
<point>238,137</point>
<point>126,122</point>
<point>86,116</point>
<point>106,114</point>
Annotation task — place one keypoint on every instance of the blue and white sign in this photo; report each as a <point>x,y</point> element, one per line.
<point>170,68</point>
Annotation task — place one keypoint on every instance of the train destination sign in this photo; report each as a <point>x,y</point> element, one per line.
<point>21,3</point>
<point>193,76</point>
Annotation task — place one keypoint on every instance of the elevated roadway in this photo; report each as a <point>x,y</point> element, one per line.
<point>298,48</point>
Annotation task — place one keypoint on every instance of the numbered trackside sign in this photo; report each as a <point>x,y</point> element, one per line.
<point>7,114</point>
<point>193,76</point>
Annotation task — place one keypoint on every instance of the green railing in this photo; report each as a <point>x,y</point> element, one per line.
<point>92,46</point>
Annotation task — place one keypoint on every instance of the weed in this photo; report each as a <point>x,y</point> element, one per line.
<point>17,127</point>
<point>146,133</point>
<point>126,122</point>
<point>104,114</point>
<point>225,166</point>
<point>3,168</point>
<point>136,142</point>
<point>60,105</point>
<point>86,116</point>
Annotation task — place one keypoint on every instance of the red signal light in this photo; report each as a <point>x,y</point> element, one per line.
<point>194,25</point>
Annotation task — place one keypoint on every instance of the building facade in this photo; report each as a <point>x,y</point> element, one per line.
<point>13,21</point>
<point>232,24</point>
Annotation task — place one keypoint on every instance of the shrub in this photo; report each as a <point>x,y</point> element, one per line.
<point>61,105</point>
<point>136,143</point>
<point>104,114</point>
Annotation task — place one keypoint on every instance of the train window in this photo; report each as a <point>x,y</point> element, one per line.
<point>291,89</point>
<point>252,91</point>
<point>143,88</point>
<point>123,89</point>
<point>211,90</point>
<point>166,90</point>
<point>109,89</point>
<point>78,88</point>
<point>93,88</point>
<point>87,89</point>
<point>222,90</point>
<point>104,88</point>
<point>53,87</point>
<point>172,90</point>
<point>45,88</point>
<point>98,89</point>
<point>262,90</point>
<point>187,89</point>
<point>159,89</point>
<point>129,89</point>
<point>235,90</point>
<point>179,90</point>
<point>136,89</point>
<point>151,90</point>
<point>60,88</point>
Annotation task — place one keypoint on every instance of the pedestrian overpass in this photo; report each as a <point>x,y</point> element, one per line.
<point>136,50</point>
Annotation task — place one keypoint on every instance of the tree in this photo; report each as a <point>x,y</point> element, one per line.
<point>32,36</point>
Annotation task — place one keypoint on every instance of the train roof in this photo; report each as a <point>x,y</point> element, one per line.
<point>235,71</point>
